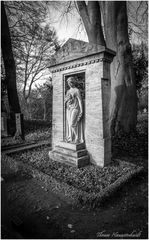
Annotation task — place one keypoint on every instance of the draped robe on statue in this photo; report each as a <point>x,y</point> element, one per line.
<point>74,110</point>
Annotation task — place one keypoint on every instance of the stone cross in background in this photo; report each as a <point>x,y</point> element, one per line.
<point>81,97</point>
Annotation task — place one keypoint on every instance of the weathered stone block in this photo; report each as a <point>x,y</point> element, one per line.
<point>71,152</point>
<point>72,146</point>
<point>72,155</point>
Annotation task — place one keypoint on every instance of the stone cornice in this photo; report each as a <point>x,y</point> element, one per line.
<point>76,50</point>
<point>71,65</point>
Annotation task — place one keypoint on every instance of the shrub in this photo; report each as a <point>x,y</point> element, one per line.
<point>31,126</point>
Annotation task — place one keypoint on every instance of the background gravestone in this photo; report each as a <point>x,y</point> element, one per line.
<point>93,62</point>
<point>19,125</point>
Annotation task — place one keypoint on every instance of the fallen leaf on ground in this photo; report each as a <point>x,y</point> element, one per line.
<point>69,225</point>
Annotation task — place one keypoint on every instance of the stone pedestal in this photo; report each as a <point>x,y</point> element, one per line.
<point>93,61</point>
<point>71,154</point>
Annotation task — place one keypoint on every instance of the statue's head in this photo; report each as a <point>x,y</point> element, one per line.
<point>71,82</point>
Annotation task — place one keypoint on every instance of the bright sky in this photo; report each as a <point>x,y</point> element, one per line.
<point>67,25</point>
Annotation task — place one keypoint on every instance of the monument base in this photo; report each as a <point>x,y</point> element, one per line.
<point>71,154</point>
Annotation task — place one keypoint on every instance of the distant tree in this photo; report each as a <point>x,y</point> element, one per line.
<point>34,107</point>
<point>33,57</point>
<point>45,92</point>
<point>39,102</point>
<point>33,43</point>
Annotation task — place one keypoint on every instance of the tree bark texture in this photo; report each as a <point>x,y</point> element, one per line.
<point>91,18</point>
<point>44,109</point>
<point>123,104</point>
<point>9,63</point>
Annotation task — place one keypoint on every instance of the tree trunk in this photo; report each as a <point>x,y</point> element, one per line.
<point>91,17</point>
<point>123,102</point>
<point>9,63</point>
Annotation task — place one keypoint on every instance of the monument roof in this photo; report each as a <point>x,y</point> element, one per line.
<point>75,49</point>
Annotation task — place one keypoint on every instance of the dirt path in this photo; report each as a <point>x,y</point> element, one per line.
<point>45,215</point>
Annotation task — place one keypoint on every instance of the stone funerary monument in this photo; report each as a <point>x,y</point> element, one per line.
<point>81,96</point>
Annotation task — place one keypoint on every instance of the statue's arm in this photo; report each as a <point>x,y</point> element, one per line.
<point>67,97</point>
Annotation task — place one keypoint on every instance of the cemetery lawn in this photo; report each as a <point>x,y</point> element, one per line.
<point>90,178</point>
<point>86,184</point>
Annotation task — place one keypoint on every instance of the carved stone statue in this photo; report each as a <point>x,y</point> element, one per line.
<point>74,110</point>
